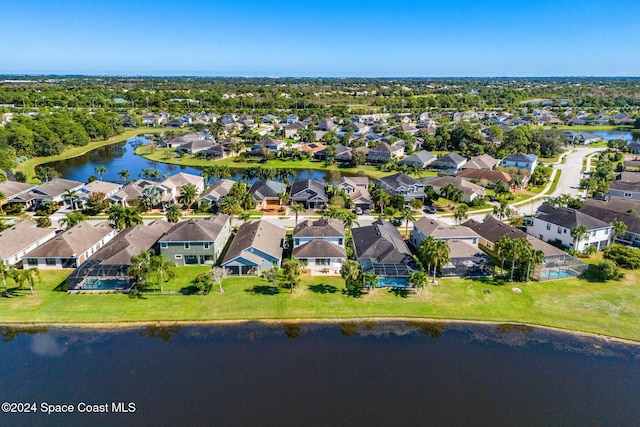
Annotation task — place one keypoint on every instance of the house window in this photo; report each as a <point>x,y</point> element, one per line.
<point>32,261</point>
<point>559,230</point>
<point>296,242</point>
<point>323,261</point>
<point>627,194</point>
<point>340,242</point>
<point>178,256</point>
<point>50,261</point>
<point>548,226</point>
<point>187,245</point>
<point>164,245</point>
<point>207,245</point>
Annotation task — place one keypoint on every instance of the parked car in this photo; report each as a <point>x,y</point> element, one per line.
<point>397,222</point>
<point>358,211</point>
<point>492,199</point>
<point>429,210</point>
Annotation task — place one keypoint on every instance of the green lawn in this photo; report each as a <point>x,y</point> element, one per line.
<point>28,166</point>
<point>605,308</point>
<point>308,164</point>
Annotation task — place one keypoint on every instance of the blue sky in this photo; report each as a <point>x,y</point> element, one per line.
<point>321,38</point>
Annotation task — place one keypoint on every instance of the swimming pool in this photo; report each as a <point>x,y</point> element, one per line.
<point>557,274</point>
<point>105,284</point>
<point>392,282</point>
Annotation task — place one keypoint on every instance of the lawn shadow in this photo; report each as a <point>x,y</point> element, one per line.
<point>490,281</point>
<point>323,289</point>
<point>189,290</point>
<point>15,292</point>
<point>264,290</point>
<point>62,286</point>
<point>399,292</point>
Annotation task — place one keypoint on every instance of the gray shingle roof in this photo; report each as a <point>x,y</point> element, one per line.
<point>261,235</point>
<point>520,157</point>
<point>262,190</point>
<point>196,230</point>
<point>323,227</point>
<point>74,241</point>
<point>420,158</point>
<point>440,230</point>
<point>19,236</point>
<point>569,218</point>
<point>319,248</point>
<point>381,242</point>
<point>399,180</point>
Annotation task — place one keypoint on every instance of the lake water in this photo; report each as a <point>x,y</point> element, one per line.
<point>372,374</point>
<point>117,157</point>
<point>608,135</point>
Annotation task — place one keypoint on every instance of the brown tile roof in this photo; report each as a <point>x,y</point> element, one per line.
<point>261,235</point>
<point>72,242</point>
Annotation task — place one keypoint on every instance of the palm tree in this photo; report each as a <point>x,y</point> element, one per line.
<point>369,281</point>
<point>461,213</point>
<point>446,190</point>
<point>3,198</point>
<point>5,270</point>
<point>619,229</point>
<point>244,216</point>
<point>518,251</point>
<point>380,198</point>
<point>71,196</point>
<point>406,215</point>
<point>502,211</point>
<point>188,194</point>
<point>173,213</point>
<point>141,267</point>
<point>425,252</point>
<point>349,219</point>
<point>389,213</point>
<point>535,258</point>
<point>100,170</point>
<point>440,256</point>
<point>30,276</point>
<point>457,196</point>
<point>419,279</point>
<point>350,272</point>
<point>502,248</point>
<point>146,173</point>
<point>150,197</point>
<point>283,197</point>
<point>124,175</point>
<point>297,208</point>
<point>229,206</point>
<point>207,173</point>
<point>71,219</point>
<point>131,216</point>
<point>590,250</point>
<point>116,216</point>
<point>578,233</point>
<point>162,268</point>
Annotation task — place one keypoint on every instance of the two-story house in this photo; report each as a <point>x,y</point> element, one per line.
<point>402,184</point>
<point>196,241</point>
<point>555,224</point>
<point>383,152</point>
<point>357,188</point>
<point>320,243</point>
<point>310,193</point>
<point>521,161</point>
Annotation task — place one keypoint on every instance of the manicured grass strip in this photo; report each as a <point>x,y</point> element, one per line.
<point>611,308</point>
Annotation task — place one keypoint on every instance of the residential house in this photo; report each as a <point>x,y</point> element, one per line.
<point>130,194</point>
<point>174,183</point>
<point>21,238</point>
<point>311,148</point>
<point>108,268</point>
<point>72,247</point>
<point>256,247</point>
<point>383,152</point>
<point>470,190</point>
<point>217,191</point>
<point>425,227</point>
<point>196,241</point>
<point>486,178</point>
<point>610,212</point>
<point>555,224</point>
<point>267,193</point>
<point>195,147</point>
<point>11,189</point>
<point>357,188</point>
<point>310,193</point>
<point>626,185</point>
<point>107,188</point>
<point>421,159</point>
<point>326,125</point>
<point>320,243</point>
<point>293,129</point>
<point>483,161</point>
<point>580,138</point>
<point>521,161</point>
<point>177,123</point>
<point>291,118</point>
<point>380,249</point>
<point>451,162</point>
<point>356,127</point>
<point>557,263</point>
<point>407,128</point>
<point>341,150</point>
<point>402,184</point>
<point>53,190</point>
<point>270,144</point>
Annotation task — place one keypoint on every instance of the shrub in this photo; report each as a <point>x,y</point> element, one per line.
<point>603,271</point>
<point>623,256</point>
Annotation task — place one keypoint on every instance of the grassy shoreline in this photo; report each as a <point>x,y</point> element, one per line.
<point>28,166</point>
<point>606,309</point>
<point>159,156</point>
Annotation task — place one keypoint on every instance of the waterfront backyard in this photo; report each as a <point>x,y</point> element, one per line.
<point>611,308</point>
